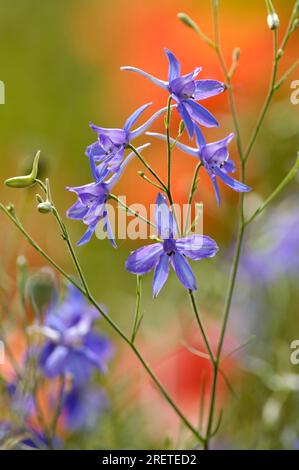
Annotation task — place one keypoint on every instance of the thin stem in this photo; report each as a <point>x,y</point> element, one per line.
<point>228,301</point>
<point>193,189</point>
<point>38,248</point>
<point>268,99</point>
<point>286,75</point>
<point>147,166</point>
<point>167,397</point>
<point>169,147</point>
<point>131,211</point>
<point>200,324</point>
<point>137,309</point>
<point>289,29</point>
<point>58,409</point>
<point>74,257</point>
<point>145,178</point>
<point>115,327</point>
<point>228,81</point>
<point>292,173</point>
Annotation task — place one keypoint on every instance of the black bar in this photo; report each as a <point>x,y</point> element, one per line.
<point>138,458</point>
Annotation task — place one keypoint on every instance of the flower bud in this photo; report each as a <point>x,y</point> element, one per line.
<point>236,54</point>
<point>181,128</point>
<point>295,25</point>
<point>21,262</point>
<point>45,207</point>
<point>25,181</point>
<point>273,21</point>
<point>41,289</point>
<point>188,21</point>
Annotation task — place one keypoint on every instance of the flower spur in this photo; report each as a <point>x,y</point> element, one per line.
<point>110,147</point>
<point>185,90</point>
<point>215,159</point>
<point>92,198</point>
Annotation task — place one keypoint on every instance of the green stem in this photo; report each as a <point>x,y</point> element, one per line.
<point>131,211</point>
<point>201,327</point>
<point>58,409</point>
<point>169,148</point>
<point>227,306</point>
<point>289,29</point>
<point>147,166</point>
<point>286,75</point>
<point>137,309</point>
<point>167,397</point>
<point>268,100</point>
<point>114,326</point>
<point>292,173</point>
<point>191,195</point>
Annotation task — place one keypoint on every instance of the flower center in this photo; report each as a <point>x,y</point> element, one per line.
<point>169,246</point>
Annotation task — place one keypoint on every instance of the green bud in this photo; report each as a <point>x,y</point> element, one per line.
<point>295,25</point>
<point>45,207</point>
<point>41,289</point>
<point>188,21</point>
<point>273,21</point>
<point>236,54</point>
<point>181,128</point>
<point>11,208</point>
<point>25,181</point>
<point>141,173</point>
<point>21,262</point>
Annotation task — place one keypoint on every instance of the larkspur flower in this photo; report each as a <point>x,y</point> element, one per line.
<point>215,159</point>
<point>82,406</point>
<point>110,147</point>
<point>73,348</point>
<point>92,198</point>
<point>170,250</point>
<point>186,91</point>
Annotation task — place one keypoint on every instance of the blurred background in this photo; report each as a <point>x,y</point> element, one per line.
<point>60,64</point>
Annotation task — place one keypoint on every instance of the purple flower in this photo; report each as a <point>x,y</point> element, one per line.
<point>73,348</point>
<point>215,159</point>
<point>185,90</point>
<point>35,440</point>
<point>111,144</point>
<point>82,406</point>
<point>273,252</point>
<point>21,400</point>
<point>170,251</point>
<point>92,198</point>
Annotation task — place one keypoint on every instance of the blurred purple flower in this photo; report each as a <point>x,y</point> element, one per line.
<point>215,159</point>
<point>21,400</point>
<point>35,439</point>
<point>73,348</point>
<point>185,90</point>
<point>170,251</point>
<point>111,144</point>
<point>92,199</point>
<point>274,250</point>
<point>82,406</point>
